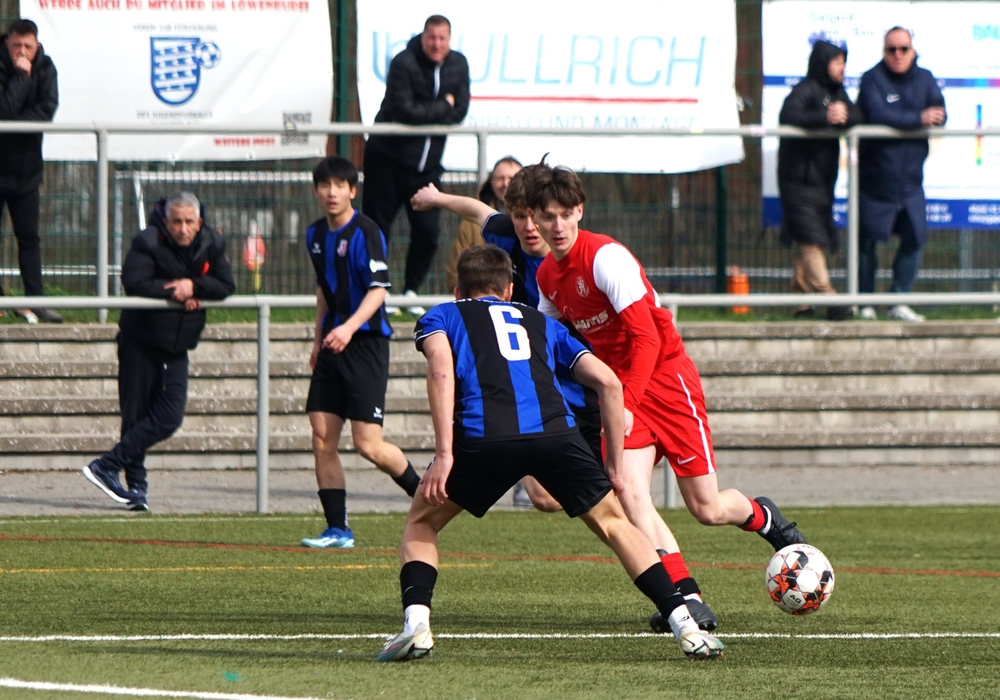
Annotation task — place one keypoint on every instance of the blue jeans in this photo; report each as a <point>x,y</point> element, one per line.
<point>904,265</point>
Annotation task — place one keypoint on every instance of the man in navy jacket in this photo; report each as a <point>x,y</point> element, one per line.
<point>900,94</point>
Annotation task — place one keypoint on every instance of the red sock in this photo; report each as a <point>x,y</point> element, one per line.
<point>676,568</point>
<point>757,520</point>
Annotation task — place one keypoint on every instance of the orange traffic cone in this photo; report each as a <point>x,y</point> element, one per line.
<point>737,283</point>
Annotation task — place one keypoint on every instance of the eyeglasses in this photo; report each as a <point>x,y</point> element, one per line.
<point>897,49</point>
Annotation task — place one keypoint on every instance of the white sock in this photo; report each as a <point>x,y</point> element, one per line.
<point>681,621</point>
<point>414,615</point>
<point>768,521</point>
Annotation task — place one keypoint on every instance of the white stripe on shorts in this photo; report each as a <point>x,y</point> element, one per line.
<point>701,426</point>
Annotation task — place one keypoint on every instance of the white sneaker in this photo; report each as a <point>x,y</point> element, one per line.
<point>902,312</point>
<point>868,313</point>
<point>393,310</point>
<point>408,646</point>
<point>414,310</point>
<point>696,644</point>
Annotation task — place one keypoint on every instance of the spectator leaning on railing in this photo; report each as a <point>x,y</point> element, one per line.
<point>807,171</point>
<point>900,94</point>
<point>28,92</point>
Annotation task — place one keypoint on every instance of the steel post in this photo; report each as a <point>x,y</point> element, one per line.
<point>853,211</point>
<point>102,221</point>
<point>263,403</point>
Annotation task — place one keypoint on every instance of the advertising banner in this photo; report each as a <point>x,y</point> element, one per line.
<point>638,64</point>
<point>959,42</point>
<point>238,63</point>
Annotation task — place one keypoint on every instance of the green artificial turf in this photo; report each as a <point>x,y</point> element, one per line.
<point>912,571</point>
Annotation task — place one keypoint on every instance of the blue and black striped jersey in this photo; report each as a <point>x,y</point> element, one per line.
<point>349,262</point>
<point>507,357</point>
<point>499,230</point>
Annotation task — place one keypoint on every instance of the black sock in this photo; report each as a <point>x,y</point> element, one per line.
<point>408,480</point>
<point>334,507</point>
<point>688,586</point>
<point>655,585</point>
<point>416,581</point>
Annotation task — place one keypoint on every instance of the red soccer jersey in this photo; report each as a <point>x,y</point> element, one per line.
<point>602,290</point>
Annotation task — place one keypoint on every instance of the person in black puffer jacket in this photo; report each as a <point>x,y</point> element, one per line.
<point>427,83</point>
<point>28,92</point>
<point>807,170</point>
<point>179,258</point>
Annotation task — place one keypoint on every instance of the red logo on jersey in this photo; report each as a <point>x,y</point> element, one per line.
<point>581,287</point>
<point>342,247</point>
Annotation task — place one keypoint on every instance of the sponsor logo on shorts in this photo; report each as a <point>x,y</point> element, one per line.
<point>378,412</point>
<point>685,461</point>
<point>342,247</point>
<point>377,266</point>
<point>581,287</point>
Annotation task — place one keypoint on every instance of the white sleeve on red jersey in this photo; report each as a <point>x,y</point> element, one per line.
<point>547,307</point>
<point>618,275</point>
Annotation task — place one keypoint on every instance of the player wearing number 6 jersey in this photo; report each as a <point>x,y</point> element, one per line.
<point>594,283</point>
<point>499,415</point>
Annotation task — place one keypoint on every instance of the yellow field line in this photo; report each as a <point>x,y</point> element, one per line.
<point>189,569</point>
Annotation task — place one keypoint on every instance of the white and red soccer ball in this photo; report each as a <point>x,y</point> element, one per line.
<point>799,579</point>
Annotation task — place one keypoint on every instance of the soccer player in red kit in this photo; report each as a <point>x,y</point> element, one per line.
<point>594,283</point>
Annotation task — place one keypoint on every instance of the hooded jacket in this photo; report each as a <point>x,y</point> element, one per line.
<point>415,87</point>
<point>892,170</point>
<point>153,261</point>
<point>31,98</point>
<point>807,168</point>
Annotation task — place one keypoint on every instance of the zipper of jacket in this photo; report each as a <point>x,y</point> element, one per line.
<point>427,141</point>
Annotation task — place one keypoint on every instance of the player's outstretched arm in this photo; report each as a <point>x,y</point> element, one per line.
<point>441,394</point>
<point>593,373</point>
<point>469,208</point>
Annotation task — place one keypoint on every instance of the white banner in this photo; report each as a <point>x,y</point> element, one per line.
<point>638,64</point>
<point>959,42</point>
<point>245,63</point>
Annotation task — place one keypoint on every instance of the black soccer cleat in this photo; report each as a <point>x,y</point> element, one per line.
<point>700,613</point>
<point>782,532</point>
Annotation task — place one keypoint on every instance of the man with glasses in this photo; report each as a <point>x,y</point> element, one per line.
<point>900,94</point>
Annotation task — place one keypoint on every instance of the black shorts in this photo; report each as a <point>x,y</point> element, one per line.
<point>351,384</point>
<point>588,420</point>
<point>563,464</point>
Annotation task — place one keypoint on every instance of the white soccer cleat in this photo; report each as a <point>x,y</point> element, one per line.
<point>868,313</point>
<point>902,312</point>
<point>700,646</point>
<point>417,311</point>
<point>408,646</point>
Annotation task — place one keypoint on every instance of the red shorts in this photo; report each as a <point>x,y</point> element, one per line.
<point>672,417</point>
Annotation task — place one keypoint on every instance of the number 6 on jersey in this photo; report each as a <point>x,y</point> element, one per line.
<point>510,333</point>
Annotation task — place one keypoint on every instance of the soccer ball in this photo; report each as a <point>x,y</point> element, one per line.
<point>799,579</point>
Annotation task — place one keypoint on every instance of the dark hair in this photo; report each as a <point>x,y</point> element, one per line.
<point>23,27</point>
<point>515,199</point>
<point>546,184</point>
<point>435,20</point>
<point>897,28</point>
<point>486,192</point>
<point>335,168</point>
<point>483,269</point>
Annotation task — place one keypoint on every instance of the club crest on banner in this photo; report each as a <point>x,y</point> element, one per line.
<point>175,66</point>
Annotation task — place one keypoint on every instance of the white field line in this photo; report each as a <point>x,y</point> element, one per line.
<point>135,692</point>
<point>484,635</point>
<point>147,519</point>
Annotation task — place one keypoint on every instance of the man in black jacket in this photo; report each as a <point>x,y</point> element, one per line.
<point>807,170</point>
<point>427,83</point>
<point>28,92</point>
<point>897,93</point>
<point>178,258</point>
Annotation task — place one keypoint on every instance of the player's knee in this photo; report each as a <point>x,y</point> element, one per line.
<point>546,505</point>
<point>323,444</point>
<point>708,513</point>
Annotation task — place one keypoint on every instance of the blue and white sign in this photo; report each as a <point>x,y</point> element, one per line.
<point>957,41</point>
<point>640,64</point>
<point>236,63</point>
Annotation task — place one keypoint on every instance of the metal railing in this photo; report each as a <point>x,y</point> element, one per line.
<point>264,304</point>
<point>482,134</point>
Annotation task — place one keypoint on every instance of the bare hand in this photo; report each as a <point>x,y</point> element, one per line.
<point>425,198</point>
<point>338,338</point>
<point>314,355</point>
<point>432,483</point>
<point>836,113</point>
<point>182,289</point>
<point>450,99</point>
<point>192,304</point>
<point>629,420</point>
<point>22,64</point>
<point>932,116</point>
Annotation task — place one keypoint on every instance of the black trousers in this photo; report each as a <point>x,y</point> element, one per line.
<point>388,186</point>
<point>152,392</point>
<point>23,210</point>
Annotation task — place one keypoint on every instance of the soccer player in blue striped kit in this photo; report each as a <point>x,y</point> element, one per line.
<point>499,415</point>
